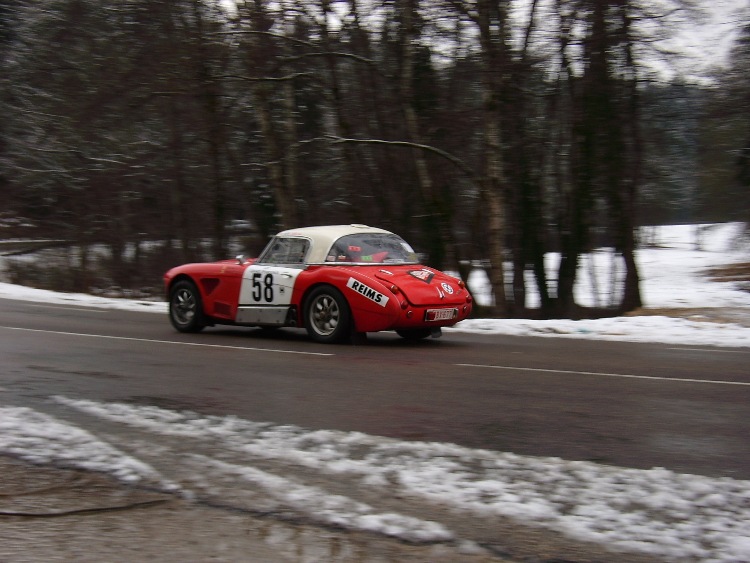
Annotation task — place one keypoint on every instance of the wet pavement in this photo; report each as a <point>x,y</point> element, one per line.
<point>52,514</point>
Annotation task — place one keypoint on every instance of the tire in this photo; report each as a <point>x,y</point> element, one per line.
<point>328,317</point>
<point>414,333</point>
<point>186,307</point>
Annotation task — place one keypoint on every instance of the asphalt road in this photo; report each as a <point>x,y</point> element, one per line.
<point>626,404</point>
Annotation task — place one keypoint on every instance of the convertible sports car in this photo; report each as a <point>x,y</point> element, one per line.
<point>335,281</point>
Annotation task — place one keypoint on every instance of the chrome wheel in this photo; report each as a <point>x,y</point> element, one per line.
<point>185,307</point>
<point>327,317</point>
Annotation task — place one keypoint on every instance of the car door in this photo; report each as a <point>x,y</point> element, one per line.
<point>267,285</point>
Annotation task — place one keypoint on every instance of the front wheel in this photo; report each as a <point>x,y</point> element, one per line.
<point>185,307</point>
<point>414,333</point>
<point>327,315</point>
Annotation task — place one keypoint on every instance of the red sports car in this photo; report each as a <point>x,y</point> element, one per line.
<point>334,280</point>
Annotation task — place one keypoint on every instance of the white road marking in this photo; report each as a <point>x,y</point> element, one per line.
<point>152,341</point>
<point>625,375</point>
<point>714,350</point>
<point>63,307</point>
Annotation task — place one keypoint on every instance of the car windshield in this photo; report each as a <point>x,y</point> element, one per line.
<point>290,251</point>
<point>372,248</point>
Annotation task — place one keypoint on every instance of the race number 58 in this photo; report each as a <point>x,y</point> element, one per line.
<point>262,288</point>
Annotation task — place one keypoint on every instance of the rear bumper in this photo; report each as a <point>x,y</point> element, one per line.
<point>432,316</point>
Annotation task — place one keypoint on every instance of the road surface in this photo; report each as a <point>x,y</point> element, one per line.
<point>641,406</point>
<point>626,404</point>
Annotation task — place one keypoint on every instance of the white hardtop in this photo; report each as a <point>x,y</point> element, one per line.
<point>323,237</point>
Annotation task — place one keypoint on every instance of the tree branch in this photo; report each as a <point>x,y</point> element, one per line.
<point>267,78</point>
<point>457,162</point>
<point>328,54</point>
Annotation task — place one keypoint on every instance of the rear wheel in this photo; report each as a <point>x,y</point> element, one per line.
<point>414,333</point>
<point>327,315</point>
<point>186,308</point>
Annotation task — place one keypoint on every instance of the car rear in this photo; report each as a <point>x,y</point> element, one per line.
<point>428,297</point>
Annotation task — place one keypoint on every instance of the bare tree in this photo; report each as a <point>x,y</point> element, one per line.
<point>492,130</point>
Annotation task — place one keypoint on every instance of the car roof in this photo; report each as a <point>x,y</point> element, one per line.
<point>324,236</point>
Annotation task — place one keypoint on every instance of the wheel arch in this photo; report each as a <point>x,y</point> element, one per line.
<point>365,317</point>
<point>184,315</point>
<point>306,294</point>
<point>179,278</point>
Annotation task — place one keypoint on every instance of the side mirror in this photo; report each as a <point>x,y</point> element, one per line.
<point>240,259</point>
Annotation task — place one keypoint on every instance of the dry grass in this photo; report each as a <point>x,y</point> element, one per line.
<point>700,314</point>
<point>730,272</point>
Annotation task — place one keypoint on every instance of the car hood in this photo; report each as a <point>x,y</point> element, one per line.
<point>423,286</point>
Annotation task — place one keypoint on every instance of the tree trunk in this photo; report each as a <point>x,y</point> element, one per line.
<point>492,24</point>
<point>631,298</point>
<point>437,214</point>
<point>261,53</point>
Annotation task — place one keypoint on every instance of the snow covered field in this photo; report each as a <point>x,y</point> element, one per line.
<point>673,276</point>
<point>658,512</point>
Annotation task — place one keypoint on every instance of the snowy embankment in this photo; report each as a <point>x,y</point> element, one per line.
<point>675,516</point>
<point>674,275</point>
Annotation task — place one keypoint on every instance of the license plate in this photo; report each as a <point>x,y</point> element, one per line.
<point>440,314</point>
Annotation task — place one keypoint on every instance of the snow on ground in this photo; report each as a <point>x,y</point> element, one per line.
<point>673,275</point>
<point>39,438</point>
<point>657,512</point>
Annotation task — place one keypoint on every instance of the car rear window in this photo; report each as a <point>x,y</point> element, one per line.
<point>372,248</point>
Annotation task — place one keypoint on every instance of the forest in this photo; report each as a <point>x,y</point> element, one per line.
<point>488,133</point>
